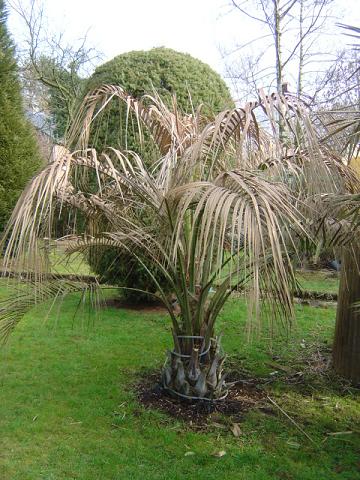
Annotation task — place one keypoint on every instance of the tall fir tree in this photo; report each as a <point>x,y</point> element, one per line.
<point>19,155</point>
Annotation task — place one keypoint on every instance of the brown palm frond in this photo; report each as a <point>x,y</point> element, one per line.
<point>168,130</point>
<point>223,208</point>
<point>355,33</point>
<point>248,213</point>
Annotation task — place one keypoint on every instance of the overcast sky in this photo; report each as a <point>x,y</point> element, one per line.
<point>198,27</point>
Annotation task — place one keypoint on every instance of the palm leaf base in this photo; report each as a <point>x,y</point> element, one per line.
<point>193,370</point>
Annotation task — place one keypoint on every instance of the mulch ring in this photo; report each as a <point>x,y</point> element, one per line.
<point>243,396</point>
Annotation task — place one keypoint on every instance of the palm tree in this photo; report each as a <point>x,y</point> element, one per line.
<point>220,211</point>
<point>343,126</point>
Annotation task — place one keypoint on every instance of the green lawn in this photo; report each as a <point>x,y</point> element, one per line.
<point>318,281</point>
<point>68,408</point>
<point>59,263</point>
<point>75,264</point>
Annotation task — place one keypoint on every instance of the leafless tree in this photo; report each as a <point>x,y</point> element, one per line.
<point>52,68</point>
<point>290,32</point>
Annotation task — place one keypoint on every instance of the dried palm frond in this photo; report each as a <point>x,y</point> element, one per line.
<point>223,208</point>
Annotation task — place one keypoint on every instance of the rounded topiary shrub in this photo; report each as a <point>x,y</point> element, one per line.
<point>168,73</point>
<point>162,70</point>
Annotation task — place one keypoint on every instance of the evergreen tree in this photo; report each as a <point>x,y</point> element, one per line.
<point>19,156</point>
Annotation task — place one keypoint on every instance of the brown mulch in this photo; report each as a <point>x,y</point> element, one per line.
<point>243,396</point>
<point>151,307</point>
<point>246,393</point>
<point>313,295</point>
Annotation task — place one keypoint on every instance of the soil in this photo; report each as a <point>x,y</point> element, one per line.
<point>151,307</point>
<point>243,396</point>
<point>310,374</point>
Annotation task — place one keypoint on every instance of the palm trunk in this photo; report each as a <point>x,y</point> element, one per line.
<point>346,351</point>
<point>193,370</point>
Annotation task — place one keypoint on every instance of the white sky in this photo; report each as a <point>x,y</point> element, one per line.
<point>198,27</point>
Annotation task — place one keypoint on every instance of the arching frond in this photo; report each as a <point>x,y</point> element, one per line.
<point>222,208</point>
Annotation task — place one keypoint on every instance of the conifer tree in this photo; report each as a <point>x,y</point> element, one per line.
<point>19,156</point>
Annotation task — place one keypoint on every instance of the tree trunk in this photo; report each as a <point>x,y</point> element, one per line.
<point>277,42</point>
<point>301,50</point>
<point>346,352</point>
<point>193,370</point>
<point>278,64</point>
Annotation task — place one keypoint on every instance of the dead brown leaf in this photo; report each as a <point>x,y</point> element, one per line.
<point>236,430</point>
<point>219,454</point>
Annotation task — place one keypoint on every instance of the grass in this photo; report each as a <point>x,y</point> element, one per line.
<point>74,264</point>
<point>324,281</point>
<point>68,409</point>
